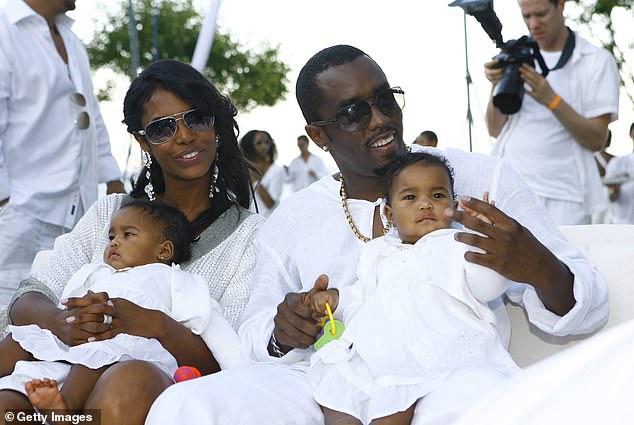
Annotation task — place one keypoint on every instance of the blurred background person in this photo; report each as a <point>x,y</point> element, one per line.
<point>54,146</point>
<point>621,171</point>
<point>602,157</point>
<point>562,119</point>
<point>307,168</point>
<point>259,148</point>
<point>427,138</point>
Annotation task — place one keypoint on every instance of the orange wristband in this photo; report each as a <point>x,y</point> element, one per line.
<point>554,103</point>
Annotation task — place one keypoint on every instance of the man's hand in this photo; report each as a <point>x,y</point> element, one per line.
<point>614,190</point>
<point>511,250</point>
<point>540,89</point>
<point>492,72</point>
<point>296,324</point>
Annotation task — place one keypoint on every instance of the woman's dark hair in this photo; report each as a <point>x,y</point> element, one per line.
<point>172,224</point>
<point>247,144</point>
<point>399,163</point>
<point>191,86</point>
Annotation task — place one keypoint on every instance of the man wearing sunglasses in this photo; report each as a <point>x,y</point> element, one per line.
<point>54,147</point>
<point>353,112</point>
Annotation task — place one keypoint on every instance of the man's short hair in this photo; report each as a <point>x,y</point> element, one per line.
<point>430,135</point>
<point>306,90</point>
<point>303,137</point>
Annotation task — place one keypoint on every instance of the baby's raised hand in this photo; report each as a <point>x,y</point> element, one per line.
<point>319,299</point>
<point>485,198</point>
<point>319,295</point>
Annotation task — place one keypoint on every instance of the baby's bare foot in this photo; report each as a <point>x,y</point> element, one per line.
<point>44,394</point>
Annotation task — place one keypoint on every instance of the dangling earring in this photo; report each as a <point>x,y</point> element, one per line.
<point>213,188</point>
<point>147,163</point>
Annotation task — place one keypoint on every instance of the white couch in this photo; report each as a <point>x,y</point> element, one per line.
<point>609,246</point>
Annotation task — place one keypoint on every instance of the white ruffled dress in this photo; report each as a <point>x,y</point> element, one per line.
<point>410,320</point>
<point>182,295</point>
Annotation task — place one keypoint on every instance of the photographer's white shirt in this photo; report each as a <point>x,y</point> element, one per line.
<point>538,146</point>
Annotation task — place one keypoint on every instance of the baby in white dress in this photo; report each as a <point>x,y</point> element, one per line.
<point>417,312</point>
<point>147,242</point>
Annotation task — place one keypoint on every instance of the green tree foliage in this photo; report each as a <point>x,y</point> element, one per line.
<point>251,78</point>
<point>598,16</point>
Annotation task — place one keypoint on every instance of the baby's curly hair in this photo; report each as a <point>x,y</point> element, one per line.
<point>402,161</point>
<point>172,224</point>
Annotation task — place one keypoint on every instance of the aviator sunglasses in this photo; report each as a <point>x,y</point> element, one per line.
<point>82,121</point>
<point>164,129</point>
<point>357,116</point>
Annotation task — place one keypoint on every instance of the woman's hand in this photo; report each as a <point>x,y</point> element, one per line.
<point>83,319</point>
<point>129,318</point>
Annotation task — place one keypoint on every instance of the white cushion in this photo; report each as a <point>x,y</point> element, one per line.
<point>611,248</point>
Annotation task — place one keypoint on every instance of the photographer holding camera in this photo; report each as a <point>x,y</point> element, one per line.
<point>565,118</point>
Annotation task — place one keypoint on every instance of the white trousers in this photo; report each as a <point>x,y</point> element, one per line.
<point>21,237</point>
<point>566,212</point>
<point>266,393</point>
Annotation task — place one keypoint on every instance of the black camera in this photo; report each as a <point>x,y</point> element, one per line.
<point>509,92</point>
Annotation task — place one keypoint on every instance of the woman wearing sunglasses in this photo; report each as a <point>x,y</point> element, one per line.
<point>188,136</point>
<point>267,178</point>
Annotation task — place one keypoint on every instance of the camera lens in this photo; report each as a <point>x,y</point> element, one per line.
<point>509,92</point>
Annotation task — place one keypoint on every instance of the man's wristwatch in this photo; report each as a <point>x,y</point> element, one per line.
<point>275,347</point>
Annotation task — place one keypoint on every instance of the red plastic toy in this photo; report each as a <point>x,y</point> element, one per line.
<point>185,373</point>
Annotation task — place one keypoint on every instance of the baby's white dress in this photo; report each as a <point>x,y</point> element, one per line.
<point>182,295</point>
<point>416,313</point>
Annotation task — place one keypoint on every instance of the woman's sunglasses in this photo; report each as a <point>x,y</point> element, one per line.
<point>357,116</point>
<point>164,129</point>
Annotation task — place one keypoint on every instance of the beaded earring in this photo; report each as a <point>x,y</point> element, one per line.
<point>147,163</point>
<point>213,189</point>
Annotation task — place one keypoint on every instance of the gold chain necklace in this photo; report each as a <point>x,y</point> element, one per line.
<point>344,203</point>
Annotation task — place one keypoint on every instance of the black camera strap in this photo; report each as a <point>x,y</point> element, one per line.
<point>566,54</point>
